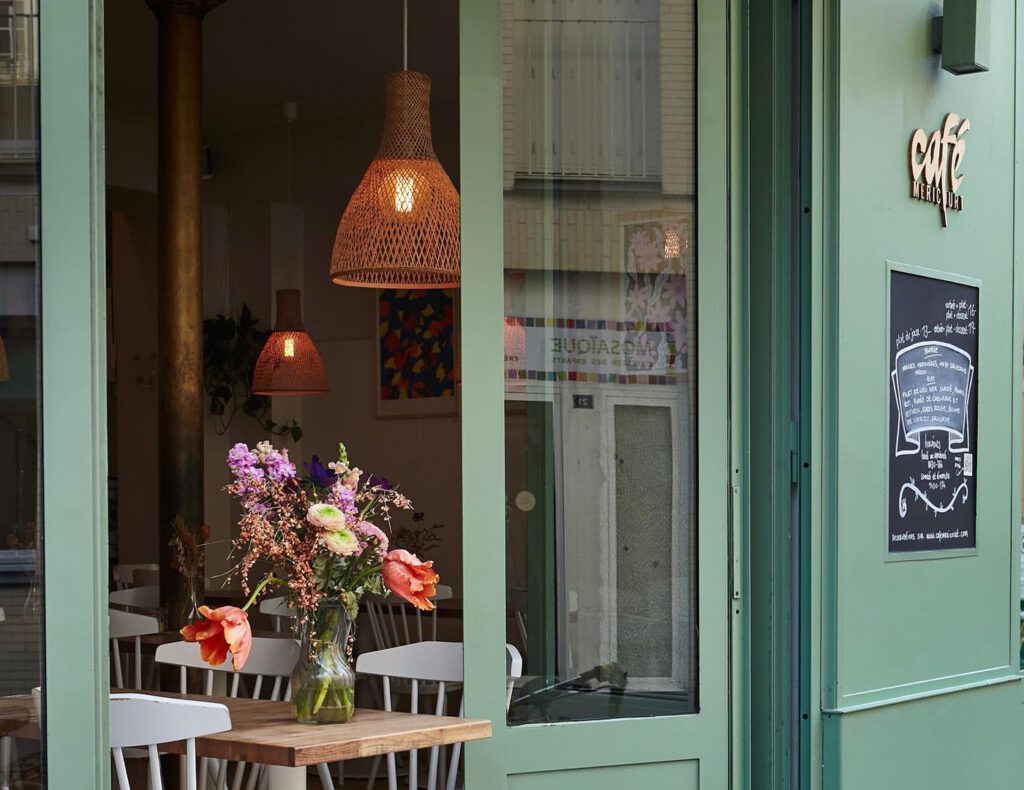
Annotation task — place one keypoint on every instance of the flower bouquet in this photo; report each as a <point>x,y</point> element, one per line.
<point>320,530</point>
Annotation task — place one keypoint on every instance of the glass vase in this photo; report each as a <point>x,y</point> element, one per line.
<point>323,682</point>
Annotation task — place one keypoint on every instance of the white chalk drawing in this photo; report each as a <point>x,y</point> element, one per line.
<point>936,509</point>
<point>932,382</point>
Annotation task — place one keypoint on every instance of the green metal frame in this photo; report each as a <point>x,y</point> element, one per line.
<point>661,751</point>
<point>74,394</point>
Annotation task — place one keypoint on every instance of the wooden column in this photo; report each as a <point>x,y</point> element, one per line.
<point>180,298</point>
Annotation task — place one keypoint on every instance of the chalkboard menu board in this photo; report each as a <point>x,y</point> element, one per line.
<point>933,413</point>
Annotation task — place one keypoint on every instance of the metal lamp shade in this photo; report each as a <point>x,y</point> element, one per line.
<point>401,226</point>
<point>289,363</point>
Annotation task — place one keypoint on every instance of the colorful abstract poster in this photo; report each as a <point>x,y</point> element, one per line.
<point>416,352</point>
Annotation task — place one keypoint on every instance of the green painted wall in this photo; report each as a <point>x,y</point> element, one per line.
<point>905,642</point>
<point>74,401</point>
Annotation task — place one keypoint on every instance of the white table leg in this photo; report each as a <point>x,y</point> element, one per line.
<point>284,778</point>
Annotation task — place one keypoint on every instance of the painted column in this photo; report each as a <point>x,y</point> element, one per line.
<point>180,298</point>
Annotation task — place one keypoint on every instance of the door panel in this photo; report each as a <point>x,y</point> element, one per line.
<point>614,288</point>
<point>682,775</point>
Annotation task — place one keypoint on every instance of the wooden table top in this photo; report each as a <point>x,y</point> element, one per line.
<point>167,637</point>
<point>18,717</point>
<point>266,732</point>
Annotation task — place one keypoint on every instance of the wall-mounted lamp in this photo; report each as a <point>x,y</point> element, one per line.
<point>962,35</point>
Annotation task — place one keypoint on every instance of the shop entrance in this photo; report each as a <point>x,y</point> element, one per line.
<point>608,386</point>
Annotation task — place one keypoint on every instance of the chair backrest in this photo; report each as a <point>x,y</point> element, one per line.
<point>270,658</point>
<point>434,665</point>
<point>146,577</point>
<point>142,597</point>
<point>129,625</point>
<point>139,720</point>
<point>124,572</point>
<point>278,609</point>
<point>395,622</point>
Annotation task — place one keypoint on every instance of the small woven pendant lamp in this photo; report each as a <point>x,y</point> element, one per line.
<point>401,226</point>
<point>289,363</point>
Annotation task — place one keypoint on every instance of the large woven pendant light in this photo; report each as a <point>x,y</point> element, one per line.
<point>289,363</point>
<point>401,226</point>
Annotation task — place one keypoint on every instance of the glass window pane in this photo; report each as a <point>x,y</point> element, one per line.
<point>600,267</point>
<point>21,635</point>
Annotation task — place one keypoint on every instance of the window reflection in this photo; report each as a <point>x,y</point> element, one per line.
<point>599,357</point>
<point>20,562</point>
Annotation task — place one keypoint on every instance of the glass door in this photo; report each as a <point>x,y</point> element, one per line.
<point>607,259</point>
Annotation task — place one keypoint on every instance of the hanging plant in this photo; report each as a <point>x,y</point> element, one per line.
<point>230,350</point>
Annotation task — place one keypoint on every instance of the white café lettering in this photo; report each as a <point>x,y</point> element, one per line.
<point>935,163</point>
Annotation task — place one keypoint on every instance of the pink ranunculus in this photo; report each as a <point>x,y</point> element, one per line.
<point>367,531</point>
<point>221,630</point>
<point>410,578</point>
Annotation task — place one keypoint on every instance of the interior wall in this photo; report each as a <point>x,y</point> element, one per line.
<point>331,143</point>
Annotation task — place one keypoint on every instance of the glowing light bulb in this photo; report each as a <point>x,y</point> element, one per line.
<point>404,194</point>
<point>289,346</point>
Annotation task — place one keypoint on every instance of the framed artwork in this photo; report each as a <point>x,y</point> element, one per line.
<point>417,361</point>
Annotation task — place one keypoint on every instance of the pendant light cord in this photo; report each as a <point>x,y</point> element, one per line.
<point>405,35</point>
<point>289,165</point>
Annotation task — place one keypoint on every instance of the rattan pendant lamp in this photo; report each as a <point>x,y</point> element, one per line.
<point>401,226</point>
<point>289,363</point>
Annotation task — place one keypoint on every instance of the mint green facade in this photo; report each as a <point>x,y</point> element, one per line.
<point>920,659</point>
<point>824,663</point>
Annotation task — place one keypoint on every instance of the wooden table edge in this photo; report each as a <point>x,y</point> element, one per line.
<point>454,730</point>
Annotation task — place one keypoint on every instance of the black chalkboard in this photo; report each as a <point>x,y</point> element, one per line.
<point>933,413</point>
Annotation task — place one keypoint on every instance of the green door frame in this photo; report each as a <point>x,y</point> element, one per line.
<point>74,381</point>
<point>624,747</point>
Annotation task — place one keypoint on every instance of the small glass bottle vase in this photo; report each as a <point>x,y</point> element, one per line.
<point>323,682</point>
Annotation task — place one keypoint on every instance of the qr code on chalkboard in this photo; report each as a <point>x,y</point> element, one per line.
<point>968,464</point>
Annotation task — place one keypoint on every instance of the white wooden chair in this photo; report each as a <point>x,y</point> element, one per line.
<point>124,573</point>
<point>395,622</point>
<point>129,625</point>
<point>278,609</point>
<point>270,658</point>
<point>146,577</point>
<point>437,663</point>
<point>140,597</point>
<point>139,720</point>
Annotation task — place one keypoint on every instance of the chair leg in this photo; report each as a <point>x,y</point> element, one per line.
<point>325,776</point>
<point>5,762</point>
<point>374,768</point>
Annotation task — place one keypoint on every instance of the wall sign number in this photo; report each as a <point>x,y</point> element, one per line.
<point>935,161</point>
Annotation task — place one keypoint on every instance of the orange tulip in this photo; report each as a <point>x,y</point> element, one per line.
<point>410,578</point>
<point>222,629</point>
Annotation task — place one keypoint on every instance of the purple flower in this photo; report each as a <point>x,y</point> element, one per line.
<point>279,467</point>
<point>318,474</point>
<point>342,497</point>
<point>242,460</point>
<point>378,482</point>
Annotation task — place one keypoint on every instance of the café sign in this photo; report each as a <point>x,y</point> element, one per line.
<point>935,161</point>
